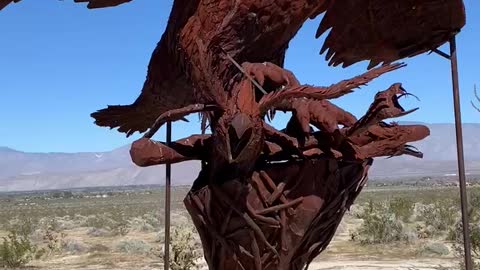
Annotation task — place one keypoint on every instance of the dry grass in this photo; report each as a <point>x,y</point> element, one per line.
<point>124,230</point>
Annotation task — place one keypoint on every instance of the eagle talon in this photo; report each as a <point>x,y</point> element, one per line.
<point>266,70</point>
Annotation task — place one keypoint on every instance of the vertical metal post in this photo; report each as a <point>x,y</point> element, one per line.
<point>168,174</point>
<point>460,155</point>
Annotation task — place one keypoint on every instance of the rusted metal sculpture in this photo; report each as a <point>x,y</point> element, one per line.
<point>190,63</point>
<point>253,213</point>
<point>268,198</point>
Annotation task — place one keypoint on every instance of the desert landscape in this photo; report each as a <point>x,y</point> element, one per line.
<point>395,227</point>
<point>63,217</point>
<point>73,70</point>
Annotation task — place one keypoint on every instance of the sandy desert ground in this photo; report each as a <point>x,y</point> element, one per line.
<point>123,230</point>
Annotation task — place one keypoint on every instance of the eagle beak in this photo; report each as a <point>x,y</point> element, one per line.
<point>239,134</point>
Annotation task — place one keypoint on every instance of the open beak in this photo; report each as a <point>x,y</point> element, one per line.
<point>412,151</point>
<point>386,105</point>
<point>401,92</point>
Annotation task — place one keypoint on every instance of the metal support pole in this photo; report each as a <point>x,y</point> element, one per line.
<point>168,174</point>
<point>460,155</point>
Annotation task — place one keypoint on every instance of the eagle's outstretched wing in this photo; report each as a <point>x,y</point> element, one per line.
<point>102,3</point>
<point>386,30</point>
<point>91,3</point>
<point>166,86</point>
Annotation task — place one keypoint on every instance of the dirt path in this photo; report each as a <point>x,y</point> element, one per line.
<point>341,254</point>
<point>122,262</point>
<point>421,264</point>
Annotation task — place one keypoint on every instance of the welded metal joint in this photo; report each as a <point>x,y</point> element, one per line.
<point>441,53</point>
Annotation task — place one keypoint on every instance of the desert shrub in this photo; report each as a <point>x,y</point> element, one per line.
<point>132,246</point>
<point>379,226</point>
<point>475,245</point>
<point>183,248</point>
<point>96,232</point>
<point>99,248</point>
<point>435,248</point>
<point>140,224</point>
<point>80,220</point>
<point>425,231</point>
<point>402,208</point>
<point>441,216</point>
<point>178,218</point>
<point>152,219</point>
<point>121,228</point>
<point>356,210</point>
<point>114,223</point>
<point>101,221</point>
<point>55,241</point>
<point>65,223</point>
<point>16,250</point>
<point>50,223</point>
<point>22,226</point>
<point>74,246</point>
<point>457,233</point>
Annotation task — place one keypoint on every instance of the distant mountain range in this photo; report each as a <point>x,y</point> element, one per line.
<point>21,171</point>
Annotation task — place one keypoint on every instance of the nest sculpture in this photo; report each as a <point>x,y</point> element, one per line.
<point>268,198</point>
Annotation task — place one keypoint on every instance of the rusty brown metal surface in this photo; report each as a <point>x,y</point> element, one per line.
<point>252,213</point>
<point>268,198</point>
<point>244,137</point>
<point>90,3</point>
<point>385,31</point>
<point>102,3</point>
<point>460,155</point>
<point>243,229</point>
<point>4,3</point>
<point>168,187</point>
<point>192,64</point>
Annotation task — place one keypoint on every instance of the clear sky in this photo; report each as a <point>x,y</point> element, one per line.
<point>60,61</point>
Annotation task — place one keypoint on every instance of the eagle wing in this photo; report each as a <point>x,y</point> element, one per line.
<point>164,89</point>
<point>166,86</point>
<point>102,3</point>
<point>91,3</point>
<point>386,30</point>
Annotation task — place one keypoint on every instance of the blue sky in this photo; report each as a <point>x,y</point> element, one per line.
<point>60,61</point>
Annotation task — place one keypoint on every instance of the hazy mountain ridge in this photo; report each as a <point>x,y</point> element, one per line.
<point>27,171</point>
<point>440,153</point>
<point>182,174</point>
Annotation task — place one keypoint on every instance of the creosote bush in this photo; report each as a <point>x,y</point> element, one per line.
<point>457,234</point>
<point>380,225</point>
<point>16,250</point>
<point>402,208</point>
<point>183,253</point>
<point>55,241</point>
<point>441,215</point>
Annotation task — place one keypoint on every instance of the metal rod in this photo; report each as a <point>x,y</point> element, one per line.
<point>168,174</point>
<point>246,74</point>
<point>442,54</point>
<point>460,155</point>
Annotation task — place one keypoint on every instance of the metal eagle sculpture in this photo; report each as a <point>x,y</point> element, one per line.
<point>268,198</point>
